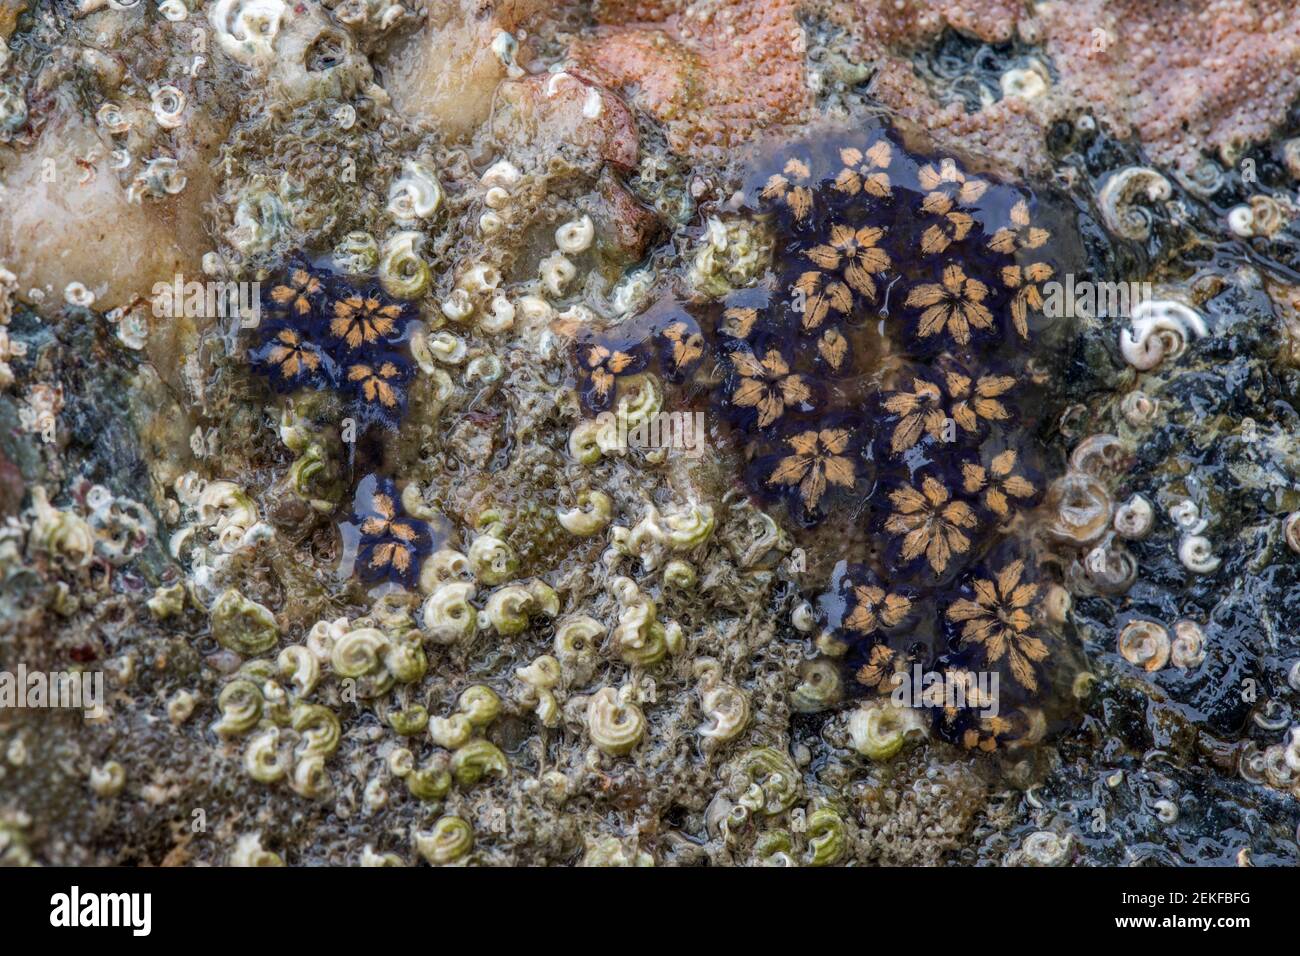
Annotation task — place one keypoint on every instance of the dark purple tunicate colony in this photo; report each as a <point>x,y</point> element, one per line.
<point>888,375</point>
<point>320,331</point>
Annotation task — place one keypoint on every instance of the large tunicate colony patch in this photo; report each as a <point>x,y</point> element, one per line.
<point>885,382</point>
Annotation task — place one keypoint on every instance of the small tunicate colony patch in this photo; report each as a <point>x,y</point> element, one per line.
<point>885,381</point>
<point>391,545</point>
<point>322,331</point>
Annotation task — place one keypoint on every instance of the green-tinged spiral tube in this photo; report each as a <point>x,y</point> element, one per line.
<point>577,639</point>
<point>402,272</point>
<point>410,721</point>
<point>827,837</point>
<point>406,661</point>
<point>476,758</point>
<point>319,728</point>
<point>480,705</point>
<point>450,732</point>
<point>590,516</point>
<point>493,560</point>
<point>301,667</point>
<point>680,574</point>
<point>819,687</point>
<point>310,778</point>
<point>616,725</point>
<point>878,730</point>
<point>450,840</point>
<point>768,779</point>
<point>428,783</point>
<point>690,528</point>
<point>262,758</point>
<point>775,848</point>
<point>508,608</point>
<point>586,440</point>
<point>240,702</point>
<point>243,626</point>
<point>448,615</point>
<point>357,652</point>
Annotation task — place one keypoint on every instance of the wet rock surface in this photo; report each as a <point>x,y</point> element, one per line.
<point>476,624</point>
